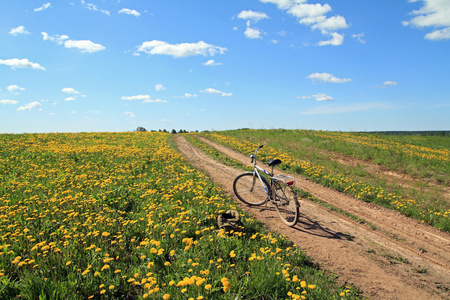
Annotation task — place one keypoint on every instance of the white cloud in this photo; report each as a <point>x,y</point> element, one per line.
<point>59,39</point>
<point>14,89</point>
<point>180,50</point>
<point>359,37</point>
<point>8,102</point>
<point>130,114</point>
<point>128,11</point>
<point>85,46</point>
<point>70,91</point>
<point>154,101</point>
<point>137,97</point>
<point>159,87</point>
<point>325,25</point>
<point>43,7</point>
<point>326,77</point>
<point>334,109</point>
<point>18,30</point>
<point>187,95</point>
<point>214,91</point>
<point>94,7</point>
<point>252,15</point>
<point>437,35</point>
<point>434,13</point>
<point>336,40</point>
<point>252,33</point>
<point>390,83</point>
<point>30,106</point>
<point>211,62</point>
<point>24,63</point>
<point>306,10</point>
<point>144,98</point>
<point>282,4</point>
<point>318,97</point>
<point>313,15</point>
<point>70,99</point>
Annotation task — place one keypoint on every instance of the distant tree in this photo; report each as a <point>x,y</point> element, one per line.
<point>141,129</point>
<point>164,130</point>
<point>174,131</point>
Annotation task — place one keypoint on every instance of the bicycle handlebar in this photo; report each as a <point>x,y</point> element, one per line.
<point>253,157</point>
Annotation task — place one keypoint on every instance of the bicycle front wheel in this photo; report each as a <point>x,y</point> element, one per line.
<point>286,203</point>
<point>248,189</point>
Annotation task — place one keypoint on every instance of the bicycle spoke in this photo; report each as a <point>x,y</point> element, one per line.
<point>250,190</point>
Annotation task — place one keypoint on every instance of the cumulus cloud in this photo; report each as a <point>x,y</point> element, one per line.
<point>128,11</point>
<point>14,89</point>
<point>70,91</point>
<point>187,95</point>
<point>327,77</point>
<point>24,63</point>
<point>359,37</point>
<point>30,106</point>
<point>154,101</point>
<point>336,40</point>
<point>282,4</point>
<point>59,39</point>
<point>214,91</point>
<point>437,35</point>
<point>180,50</point>
<point>9,102</point>
<point>94,7</point>
<point>130,114</point>
<point>211,62</point>
<point>314,16</point>
<point>18,30</point>
<point>85,46</point>
<point>252,33</point>
<point>390,83</point>
<point>318,97</point>
<point>144,98</point>
<point>43,7</point>
<point>435,14</point>
<point>159,87</point>
<point>252,15</point>
<point>73,92</point>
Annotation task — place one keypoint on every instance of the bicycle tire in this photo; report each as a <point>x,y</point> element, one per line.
<point>242,187</point>
<point>286,203</point>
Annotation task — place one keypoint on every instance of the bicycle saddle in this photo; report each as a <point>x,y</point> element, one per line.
<point>274,162</point>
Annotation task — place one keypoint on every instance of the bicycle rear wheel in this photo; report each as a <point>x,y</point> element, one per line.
<point>249,189</point>
<point>286,203</point>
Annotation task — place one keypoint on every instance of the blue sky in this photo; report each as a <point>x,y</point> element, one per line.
<point>92,65</point>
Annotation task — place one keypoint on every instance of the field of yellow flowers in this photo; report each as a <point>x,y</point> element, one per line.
<point>123,216</point>
<point>435,211</point>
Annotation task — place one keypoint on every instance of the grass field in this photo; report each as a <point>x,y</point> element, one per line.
<point>317,155</point>
<point>123,216</point>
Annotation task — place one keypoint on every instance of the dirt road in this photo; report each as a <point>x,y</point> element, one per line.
<point>400,259</point>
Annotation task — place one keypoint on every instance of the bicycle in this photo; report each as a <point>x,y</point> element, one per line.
<point>254,189</point>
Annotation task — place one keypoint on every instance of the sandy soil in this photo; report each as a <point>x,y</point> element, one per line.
<point>400,259</point>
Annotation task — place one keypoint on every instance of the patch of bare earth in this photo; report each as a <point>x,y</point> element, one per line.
<point>401,259</point>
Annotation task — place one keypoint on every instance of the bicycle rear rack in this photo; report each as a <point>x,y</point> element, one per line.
<point>286,179</point>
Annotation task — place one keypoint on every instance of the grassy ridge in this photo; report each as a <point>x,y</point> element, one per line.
<point>123,216</point>
<point>299,156</point>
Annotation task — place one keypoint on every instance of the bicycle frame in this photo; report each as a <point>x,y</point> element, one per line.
<point>255,172</point>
